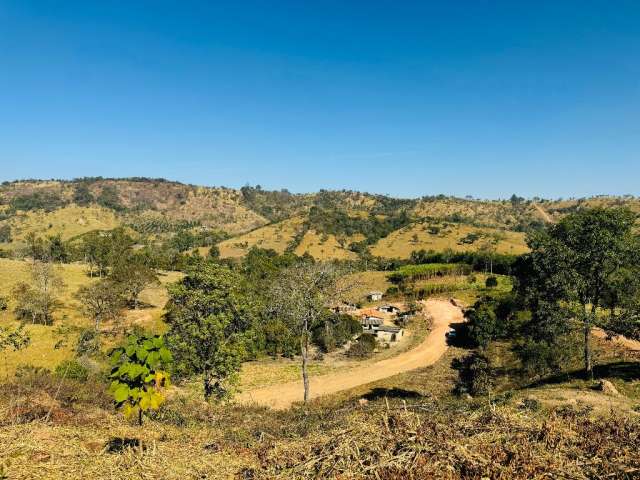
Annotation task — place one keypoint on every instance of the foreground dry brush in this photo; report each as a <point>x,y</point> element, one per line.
<point>67,430</point>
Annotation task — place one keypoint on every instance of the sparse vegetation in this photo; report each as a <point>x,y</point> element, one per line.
<point>497,404</point>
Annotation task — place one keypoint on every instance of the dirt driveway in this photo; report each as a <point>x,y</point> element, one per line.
<point>428,352</point>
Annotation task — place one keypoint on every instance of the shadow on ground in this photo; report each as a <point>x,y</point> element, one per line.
<point>627,371</point>
<point>379,392</point>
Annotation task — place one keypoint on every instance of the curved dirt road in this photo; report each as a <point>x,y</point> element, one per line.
<point>428,352</point>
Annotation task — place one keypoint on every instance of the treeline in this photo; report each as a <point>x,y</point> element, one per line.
<point>500,263</point>
<point>274,205</point>
<point>581,273</point>
<point>372,227</point>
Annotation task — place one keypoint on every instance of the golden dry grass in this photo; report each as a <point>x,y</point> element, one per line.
<point>401,243</point>
<point>365,282</point>
<point>324,247</point>
<point>67,222</point>
<point>276,236</point>
<point>52,344</point>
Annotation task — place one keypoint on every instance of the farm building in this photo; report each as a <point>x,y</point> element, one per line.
<point>374,296</point>
<point>370,323</point>
<point>388,309</point>
<point>345,308</point>
<point>387,333</point>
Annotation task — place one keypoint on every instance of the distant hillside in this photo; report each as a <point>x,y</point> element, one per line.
<point>326,224</point>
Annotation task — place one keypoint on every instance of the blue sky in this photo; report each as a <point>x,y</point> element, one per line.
<point>404,98</point>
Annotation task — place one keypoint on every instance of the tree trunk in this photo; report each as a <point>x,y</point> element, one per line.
<point>305,373</point>
<point>588,367</point>
<point>207,386</point>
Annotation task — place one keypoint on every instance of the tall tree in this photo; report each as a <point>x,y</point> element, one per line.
<point>39,298</point>
<point>101,300</point>
<point>301,296</point>
<point>574,264</point>
<point>133,276</point>
<point>209,317</point>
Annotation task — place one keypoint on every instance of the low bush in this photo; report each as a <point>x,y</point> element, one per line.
<point>475,375</point>
<point>363,346</point>
<point>491,282</point>
<point>72,369</point>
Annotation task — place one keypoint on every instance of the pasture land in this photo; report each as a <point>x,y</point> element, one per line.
<point>446,236</point>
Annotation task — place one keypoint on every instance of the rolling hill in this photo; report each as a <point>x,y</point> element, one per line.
<point>326,224</point>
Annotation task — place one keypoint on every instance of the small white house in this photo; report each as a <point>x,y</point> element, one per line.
<point>389,309</point>
<point>387,333</point>
<point>374,296</point>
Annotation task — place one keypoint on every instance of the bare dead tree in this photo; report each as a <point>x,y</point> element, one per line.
<point>301,296</point>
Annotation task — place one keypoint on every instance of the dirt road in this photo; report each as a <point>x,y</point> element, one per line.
<point>545,216</point>
<point>428,352</point>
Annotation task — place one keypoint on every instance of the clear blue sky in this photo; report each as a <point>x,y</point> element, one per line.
<point>405,98</point>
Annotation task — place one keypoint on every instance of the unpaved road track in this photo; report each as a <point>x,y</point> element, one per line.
<point>545,216</point>
<point>428,352</point>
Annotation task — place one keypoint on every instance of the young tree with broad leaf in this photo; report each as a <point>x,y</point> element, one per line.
<point>139,375</point>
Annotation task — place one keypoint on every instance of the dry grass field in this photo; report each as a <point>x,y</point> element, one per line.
<point>67,222</point>
<point>443,236</point>
<point>276,236</point>
<point>324,247</point>
<point>52,344</point>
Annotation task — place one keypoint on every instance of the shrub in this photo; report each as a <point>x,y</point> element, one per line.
<point>491,282</point>
<point>392,291</point>
<point>3,304</point>
<point>475,375</point>
<point>72,369</point>
<point>47,201</point>
<point>88,343</point>
<point>5,234</point>
<point>335,332</point>
<point>363,347</point>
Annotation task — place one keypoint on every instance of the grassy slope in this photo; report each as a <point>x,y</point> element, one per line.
<point>323,247</point>
<point>68,319</point>
<point>68,222</point>
<point>401,243</point>
<point>276,236</point>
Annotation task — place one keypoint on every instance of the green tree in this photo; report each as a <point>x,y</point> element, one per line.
<point>57,250</point>
<point>102,250</point>
<point>101,300</point>
<point>138,375</point>
<point>133,276</point>
<point>39,299</point>
<point>571,267</point>
<point>82,195</point>
<point>210,317</point>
